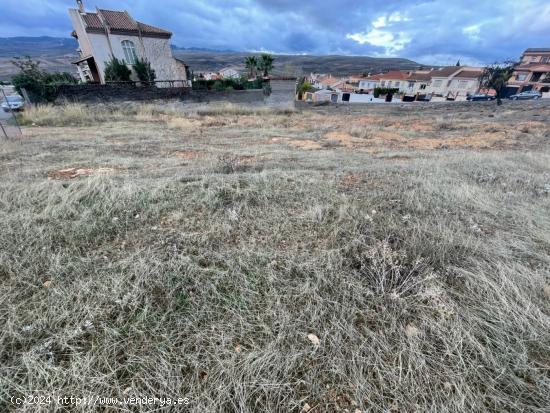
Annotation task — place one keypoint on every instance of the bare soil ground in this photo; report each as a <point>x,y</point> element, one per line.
<point>360,259</point>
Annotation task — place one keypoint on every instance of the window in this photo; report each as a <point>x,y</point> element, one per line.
<point>129,52</point>
<point>545,59</point>
<point>397,84</point>
<point>411,85</point>
<point>521,77</point>
<point>383,83</point>
<point>423,87</point>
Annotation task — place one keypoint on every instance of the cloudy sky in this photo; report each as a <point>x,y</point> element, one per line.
<point>428,31</point>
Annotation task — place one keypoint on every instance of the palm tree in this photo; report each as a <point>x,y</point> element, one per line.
<point>251,63</point>
<point>266,63</point>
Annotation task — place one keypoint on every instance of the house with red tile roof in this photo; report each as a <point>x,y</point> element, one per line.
<point>394,79</point>
<point>368,84</point>
<point>533,72</point>
<point>104,34</point>
<point>417,82</point>
<point>454,82</point>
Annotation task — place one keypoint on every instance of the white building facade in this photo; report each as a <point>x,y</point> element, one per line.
<point>105,34</point>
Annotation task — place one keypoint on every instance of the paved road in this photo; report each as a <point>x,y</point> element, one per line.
<point>4,116</point>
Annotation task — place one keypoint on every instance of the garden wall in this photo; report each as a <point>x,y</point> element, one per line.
<point>96,93</point>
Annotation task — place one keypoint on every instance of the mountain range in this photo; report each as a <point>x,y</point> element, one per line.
<point>56,54</point>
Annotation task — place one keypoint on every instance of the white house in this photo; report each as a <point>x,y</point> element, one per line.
<point>454,82</point>
<point>105,33</point>
<point>229,73</point>
<point>369,84</point>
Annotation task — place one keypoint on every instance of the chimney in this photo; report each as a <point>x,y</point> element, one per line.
<point>80,6</point>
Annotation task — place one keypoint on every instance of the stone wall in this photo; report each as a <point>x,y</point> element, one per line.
<point>96,93</point>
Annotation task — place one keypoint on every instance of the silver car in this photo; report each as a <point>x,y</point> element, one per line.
<point>14,103</point>
<point>531,94</point>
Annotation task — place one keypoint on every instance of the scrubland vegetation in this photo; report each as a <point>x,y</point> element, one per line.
<point>361,260</point>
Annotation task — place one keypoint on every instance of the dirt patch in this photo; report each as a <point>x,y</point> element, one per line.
<point>278,139</point>
<point>72,173</point>
<point>344,138</point>
<point>395,158</point>
<point>305,144</point>
<point>189,154</point>
<point>350,180</point>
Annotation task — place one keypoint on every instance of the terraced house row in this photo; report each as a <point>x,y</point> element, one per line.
<point>444,83</point>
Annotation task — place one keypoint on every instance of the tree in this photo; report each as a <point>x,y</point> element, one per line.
<point>116,71</point>
<point>251,63</point>
<point>266,63</point>
<point>144,71</point>
<point>458,63</point>
<point>40,85</point>
<point>496,76</point>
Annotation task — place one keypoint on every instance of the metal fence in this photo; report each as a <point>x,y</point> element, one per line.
<point>9,128</point>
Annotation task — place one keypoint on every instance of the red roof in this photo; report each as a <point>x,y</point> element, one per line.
<point>374,77</point>
<point>445,71</point>
<point>420,76</point>
<point>395,75</point>
<point>120,21</point>
<point>469,74</point>
<point>329,80</point>
<point>92,21</point>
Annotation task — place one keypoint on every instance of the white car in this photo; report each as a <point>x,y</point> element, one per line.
<point>14,103</point>
<point>531,94</point>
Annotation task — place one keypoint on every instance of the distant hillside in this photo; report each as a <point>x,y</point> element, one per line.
<point>56,54</point>
<point>292,65</point>
<point>37,46</point>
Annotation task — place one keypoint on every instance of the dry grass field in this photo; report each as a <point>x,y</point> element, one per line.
<point>365,259</point>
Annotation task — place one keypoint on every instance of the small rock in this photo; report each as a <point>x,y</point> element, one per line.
<point>411,331</point>
<point>88,325</point>
<point>447,386</point>
<point>314,339</point>
<point>27,329</point>
<point>306,408</point>
<point>238,349</point>
<point>47,284</point>
<point>475,228</point>
<point>547,291</point>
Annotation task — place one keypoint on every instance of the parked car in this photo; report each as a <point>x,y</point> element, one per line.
<point>531,94</point>
<point>15,103</point>
<point>480,97</point>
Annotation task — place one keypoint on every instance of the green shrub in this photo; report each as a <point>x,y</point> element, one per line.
<point>228,84</point>
<point>40,85</point>
<point>218,86</point>
<point>384,91</point>
<point>144,71</point>
<point>117,71</point>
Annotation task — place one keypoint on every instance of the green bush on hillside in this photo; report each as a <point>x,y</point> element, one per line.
<point>228,84</point>
<point>144,71</point>
<point>40,85</point>
<point>117,71</point>
<point>384,91</point>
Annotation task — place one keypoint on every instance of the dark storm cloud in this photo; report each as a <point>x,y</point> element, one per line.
<point>431,31</point>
